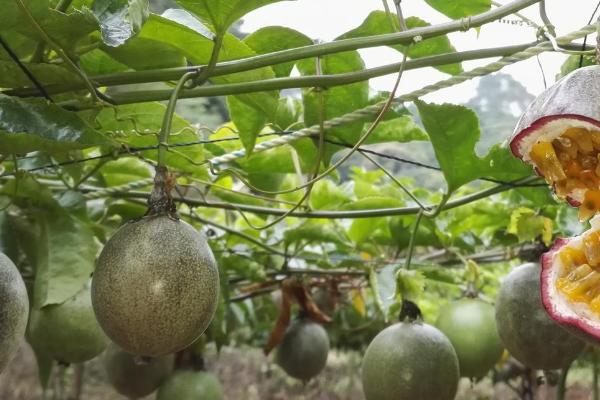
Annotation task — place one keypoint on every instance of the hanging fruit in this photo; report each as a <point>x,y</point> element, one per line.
<point>559,134</point>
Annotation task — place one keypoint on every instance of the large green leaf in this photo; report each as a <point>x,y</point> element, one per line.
<point>276,38</point>
<point>222,13</point>
<point>378,23</point>
<point>140,53</point>
<point>66,248</point>
<point>120,19</point>
<point>460,8</point>
<point>26,127</point>
<point>402,129</point>
<point>191,41</point>
<point>12,76</point>
<point>337,100</point>
<point>137,125</point>
<point>454,131</point>
<point>313,232</point>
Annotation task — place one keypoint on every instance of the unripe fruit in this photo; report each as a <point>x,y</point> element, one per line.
<point>410,361</point>
<point>190,385</point>
<point>14,308</point>
<point>156,286</point>
<point>133,377</point>
<point>68,332</point>
<point>302,353</point>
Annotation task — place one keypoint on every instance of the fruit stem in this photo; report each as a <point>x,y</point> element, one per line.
<point>596,393</point>
<point>562,383</point>
<point>160,200</point>
<point>409,312</point>
<point>165,129</point>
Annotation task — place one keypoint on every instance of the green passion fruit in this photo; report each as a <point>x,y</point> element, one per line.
<point>156,286</point>
<point>190,385</point>
<point>68,332</point>
<point>135,377</point>
<point>528,333</point>
<point>409,361</point>
<point>303,352</point>
<point>14,309</point>
<point>471,327</point>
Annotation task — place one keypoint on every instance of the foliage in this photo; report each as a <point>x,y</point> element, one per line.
<point>75,167</point>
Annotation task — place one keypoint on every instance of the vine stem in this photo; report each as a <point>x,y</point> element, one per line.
<point>269,59</point>
<point>413,241</point>
<point>350,214</point>
<point>165,129</point>
<point>561,390</point>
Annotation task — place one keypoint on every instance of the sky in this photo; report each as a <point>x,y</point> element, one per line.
<point>327,19</point>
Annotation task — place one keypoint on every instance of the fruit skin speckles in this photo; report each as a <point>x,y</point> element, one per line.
<point>404,359</point>
<point>14,310</point>
<point>525,327</point>
<point>156,286</point>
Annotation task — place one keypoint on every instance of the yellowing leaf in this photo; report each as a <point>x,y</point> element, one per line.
<point>358,301</point>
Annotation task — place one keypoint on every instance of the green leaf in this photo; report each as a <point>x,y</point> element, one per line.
<point>26,127</point>
<point>327,195</point>
<point>572,63</point>
<point>276,38</point>
<point>410,284</point>
<point>140,54</point>
<point>191,41</point>
<point>528,226</point>
<point>312,232</point>
<point>66,248</point>
<point>378,23</point>
<point>97,62</point>
<point>383,286</point>
<point>247,121</point>
<point>137,125</point>
<point>337,100</point>
<point>11,76</point>
<point>120,19</point>
<point>221,14</point>
<point>460,8</point>
<point>124,170</point>
<point>402,129</point>
<point>364,229</point>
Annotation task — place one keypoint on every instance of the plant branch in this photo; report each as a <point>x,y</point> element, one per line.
<point>351,214</point>
<point>279,57</point>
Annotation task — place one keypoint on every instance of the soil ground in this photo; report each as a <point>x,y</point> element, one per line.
<point>246,374</point>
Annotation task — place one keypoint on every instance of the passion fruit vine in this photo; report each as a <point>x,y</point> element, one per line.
<point>559,134</point>
<point>303,352</point>
<point>527,331</point>
<point>410,360</point>
<point>14,308</point>
<point>155,287</point>
<point>471,327</point>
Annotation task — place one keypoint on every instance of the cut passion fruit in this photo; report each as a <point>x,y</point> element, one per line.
<point>571,282</point>
<point>559,135</point>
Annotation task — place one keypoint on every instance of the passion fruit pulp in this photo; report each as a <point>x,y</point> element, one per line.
<point>135,377</point>
<point>559,134</point>
<point>68,332</point>
<point>526,330</point>
<point>571,282</point>
<point>471,327</point>
<point>156,286</point>
<point>303,352</point>
<point>14,309</point>
<point>410,360</point>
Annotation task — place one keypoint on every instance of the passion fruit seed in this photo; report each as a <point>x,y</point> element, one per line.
<point>14,309</point>
<point>133,376</point>
<point>68,332</point>
<point>559,134</point>
<point>156,286</point>
<point>571,282</point>
<point>190,385</point>
<point>527,331</point>
<point>303,352</point>
<point>471,327</point>
<point>410,360</point>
